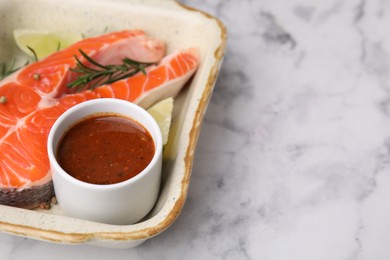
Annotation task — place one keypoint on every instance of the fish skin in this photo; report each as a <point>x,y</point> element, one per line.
<point>33,105</point>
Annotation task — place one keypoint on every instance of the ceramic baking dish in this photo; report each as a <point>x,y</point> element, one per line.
<point>180,27</point>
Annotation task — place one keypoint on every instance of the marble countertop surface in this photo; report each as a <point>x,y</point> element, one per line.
<point>293,161</point>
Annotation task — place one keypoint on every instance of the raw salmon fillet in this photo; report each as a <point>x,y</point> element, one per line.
<point>38,94</point>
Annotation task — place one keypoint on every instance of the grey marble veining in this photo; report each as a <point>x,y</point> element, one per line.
<point>293,161</point>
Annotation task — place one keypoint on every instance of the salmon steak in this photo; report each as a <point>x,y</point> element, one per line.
<point>38,94</point>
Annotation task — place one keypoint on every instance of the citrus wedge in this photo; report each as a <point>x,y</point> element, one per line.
<point>162,113</point>
<point>43,43</point>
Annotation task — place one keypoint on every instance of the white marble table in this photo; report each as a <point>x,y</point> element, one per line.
<point>294,157</point>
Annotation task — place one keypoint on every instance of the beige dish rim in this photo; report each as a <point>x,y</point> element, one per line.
<point>145,233</point>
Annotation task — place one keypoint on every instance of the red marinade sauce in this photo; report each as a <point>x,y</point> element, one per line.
<point>105,149</point>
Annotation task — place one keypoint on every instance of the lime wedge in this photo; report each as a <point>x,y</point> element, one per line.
<point>162,113</point>
<point>42,42</point>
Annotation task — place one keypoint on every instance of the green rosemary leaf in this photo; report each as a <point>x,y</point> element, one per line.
<point>35,58</point>
<point>83,67</point>
<point>142,69</point>
<point>92,61</point>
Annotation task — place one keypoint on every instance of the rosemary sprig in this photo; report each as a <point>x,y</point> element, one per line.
<point>96,74</point>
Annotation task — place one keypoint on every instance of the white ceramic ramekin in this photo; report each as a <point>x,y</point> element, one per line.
<point>122,203</point>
